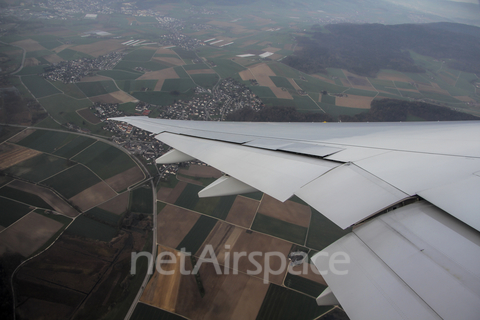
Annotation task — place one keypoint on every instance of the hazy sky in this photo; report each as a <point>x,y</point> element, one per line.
<point>468,1</point>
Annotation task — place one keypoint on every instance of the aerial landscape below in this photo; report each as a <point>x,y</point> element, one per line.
<point>89,215</point>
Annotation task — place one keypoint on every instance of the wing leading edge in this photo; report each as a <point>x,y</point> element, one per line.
<point>349,173</point>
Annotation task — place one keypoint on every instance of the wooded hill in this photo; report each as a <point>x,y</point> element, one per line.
<point>365,49</point>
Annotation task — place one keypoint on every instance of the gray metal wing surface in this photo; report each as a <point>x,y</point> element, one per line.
<point>417,262</point>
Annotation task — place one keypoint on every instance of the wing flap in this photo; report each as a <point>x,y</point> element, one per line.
<point>278,175</point>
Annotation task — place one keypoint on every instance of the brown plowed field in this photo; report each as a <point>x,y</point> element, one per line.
<point>353,101</point>
<point>123,97</point>
<point>11,154</point>
<point>279,93</point>
<point>243,211</point>
<point>46,194</point>
<point>117,205</point>
<point>125,179</point>
<point>28,234</point>
<point>177,191</point>
<point>241,241</point>
<point>93,196</point>
<point>262,73</point>
<point>165,51</point>
<point>246,75</point>
<point>310,272</point>
<point>53,58</point>
<point>105,98</point>
<point>99,48</point>
<point>173,225</point>
<point>29,45</point>
<point>287,211</point>
<point>162,290</point>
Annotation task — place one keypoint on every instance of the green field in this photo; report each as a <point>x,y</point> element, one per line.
<point>119,74</point>
<point>279,102</point>
<point>336,111</point>
<point>215,206</point>
<point>72,181</point>
<point>149,65</point>
<point>69,89</point>
<point>103,216</point>
<point>89,228</point>
<point>185,54</point>
<point>74,147</point>
<point>50,44</point>
<point>141,200</point>
<point>282,82</point>
<point>136,85</point>
<point>189,197</point>
<point>283,304</point>
<point>25,197</point>
<point>323,232</point>
<point>279,228</point>
<point>92,89</point>
<point>304,285</point>
<point>263,92</point>
<point>205,80</point>
<point>62,108</point>
<point>197,66</point>
<point>227,68</point>
<point>181,72</point>
<point>336,73</point>
<point>69,54</point>
<point>180,85</point>
<point>31,70</point>
<point>142,55</point>
<point>305,103</point>
<point>316,85</point>
<point>162,98</point>
<point>39,167</point>
<point>11,211</point>
<point>197,235</point>
<point>105,160</point>
<point>328,99</point>
<point>38,86</point>
<point>146,312</point>
<point>46,141</point>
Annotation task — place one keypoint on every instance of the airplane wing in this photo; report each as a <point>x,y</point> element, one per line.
<point>411,191</point>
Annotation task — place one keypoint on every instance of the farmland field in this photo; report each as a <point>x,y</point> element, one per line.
<point>162,98</point>
<point>140,55</point>
<point>104,160</point>
<point>141,200</point>
<point>69,54</point>
<point>282,82</point>
<point>304,285</point>
<point>91,89</point>
<point>180,85</point>
<point>104,216</point>
<point>69,89</point>
<point>11,211</point>
<point>25,197</point>
<point>197,235</point>
<point>119,74</point>
<point>62,182</point>
<point>46,141</point>
<point>89,228</point>
<point>38,86</point>
<point>205,80</point>
<point>39,167</point>
<point>279,228</point>
<point>146,312</point>
<point>136,85</point>
<point>282,304</point>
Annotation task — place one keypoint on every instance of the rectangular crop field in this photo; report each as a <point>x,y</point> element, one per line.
<point>89,228</point>
<point>91,89</point>
<point>39,167</point>
<point>305,103</point>
<point>149,65</point>
<point>25,197</point>
<point>197,66</point>
<point>136,85</point>
<point>146,312</point>
<point>263,92</point>
<point>46,141</point>
<point>38,86</point>
<point>72,181</point>
<point>74,147</point>
<point>282,82</point>
<point>197,235</point>
<point>140,55</point>
<point>279,228</point>
<point>162,98</point>
<point>141,200</point>
<point>11,211</point>
<point>227,68</point>
<point>185,54</point>
<point>69,89</point>
<point>281,304</point>
<point>69,54</point>
<point>304,285</point>
<point>105,160</point>
<point>328,99</point>
<point>120,74</point>
<point>189,197</point>
<point>205,80</point>
<point>104,216</point>
<point>180,85</point>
